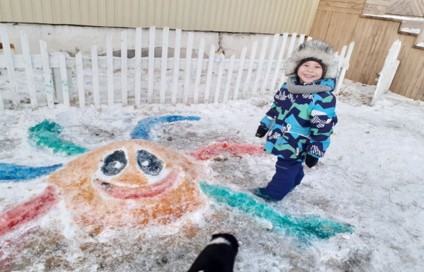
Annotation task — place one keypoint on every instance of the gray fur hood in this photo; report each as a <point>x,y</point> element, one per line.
<point>313,49</point>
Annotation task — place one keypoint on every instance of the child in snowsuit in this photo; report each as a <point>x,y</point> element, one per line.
<point>301,119</point>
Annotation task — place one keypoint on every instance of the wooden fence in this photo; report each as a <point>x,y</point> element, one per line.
<point>201,75</point>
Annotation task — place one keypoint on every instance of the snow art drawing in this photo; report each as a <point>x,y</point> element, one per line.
<point>136,182</point>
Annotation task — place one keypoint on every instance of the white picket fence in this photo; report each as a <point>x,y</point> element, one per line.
<point>46,79</point>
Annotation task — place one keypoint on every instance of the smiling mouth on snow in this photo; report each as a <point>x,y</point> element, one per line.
<point>126,192</point>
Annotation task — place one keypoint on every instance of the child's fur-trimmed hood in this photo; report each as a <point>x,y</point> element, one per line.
<point>313,49</point>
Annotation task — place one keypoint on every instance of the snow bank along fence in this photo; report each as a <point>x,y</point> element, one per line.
<point>194,77</point>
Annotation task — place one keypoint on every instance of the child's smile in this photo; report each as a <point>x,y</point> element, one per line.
<point>310,71</point>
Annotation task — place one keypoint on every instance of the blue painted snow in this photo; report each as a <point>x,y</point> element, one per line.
<point>304,228</point>
<point>16,173</point>
<point>143,127</point>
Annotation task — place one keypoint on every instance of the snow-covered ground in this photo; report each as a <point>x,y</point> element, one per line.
<point>371,178</point>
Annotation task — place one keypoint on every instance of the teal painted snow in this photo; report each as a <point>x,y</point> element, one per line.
<point>304,228</point>
<point>47,134</point>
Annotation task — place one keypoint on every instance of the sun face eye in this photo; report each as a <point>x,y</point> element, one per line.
<point>149,163</point>
<point>114,163</point>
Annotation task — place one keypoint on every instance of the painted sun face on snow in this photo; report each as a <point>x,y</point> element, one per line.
<point>133,182</point>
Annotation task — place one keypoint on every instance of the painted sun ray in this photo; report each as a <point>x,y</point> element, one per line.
<point>303,227</point>
<point>16,173</point>
<point>28,211</point>
<point>46,134</point>
<point>143,127</point>
<point>226,148</point>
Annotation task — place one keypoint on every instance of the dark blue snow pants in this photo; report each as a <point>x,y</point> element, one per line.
<point>288,174</point>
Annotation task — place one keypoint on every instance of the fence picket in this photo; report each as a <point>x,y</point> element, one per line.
<point>163,85</point>
<point>340,65</point>
<point>218,81</point>
<point>95,71</point>
<point>301,39</point>
<point>249,70</point>
<point>137,72</point>
<point>176,68</point>
<point>80,79</point>
<point>48,81</point>
<point>109,56</point>
<point>279,62</point>
<point>291,45</point>
<point>10,67</point>
<point>124,68</point>
<point>289,53</point>
<point>229,78</point>
<point>260,64</point>
<point>188,67</point>
<point>29,70</point>
<point>64,80</point>
<point>270,62</point>
<point>344,66</point>
<point>151,69</point>
<point>199,71</point>
<point>240,72</point>
<point>209,73</point>
<point>388,72</point>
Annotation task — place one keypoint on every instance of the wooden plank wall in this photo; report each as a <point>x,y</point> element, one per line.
<point>339,22</point>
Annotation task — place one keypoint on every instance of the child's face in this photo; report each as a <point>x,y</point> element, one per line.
<point>309,71</point>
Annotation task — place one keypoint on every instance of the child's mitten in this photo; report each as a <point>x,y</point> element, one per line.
<point>262,130</point>
<point>311,161</point>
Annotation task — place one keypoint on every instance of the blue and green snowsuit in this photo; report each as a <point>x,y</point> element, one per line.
<point>299,124</point>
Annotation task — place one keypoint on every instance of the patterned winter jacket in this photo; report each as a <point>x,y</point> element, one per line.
<point>299,122</point>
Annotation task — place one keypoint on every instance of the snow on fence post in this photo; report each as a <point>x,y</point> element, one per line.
<point>95,71</point>
<point>388,72</point>
<point>64,79</point>
<point>29,70</point>
<point>209,73</point>
<point>176,67</point>
<point>80,79</point>
<point>48,80</point>
<point>124,68</point>
<point>109,56</point>
<point>199,70</point>
<point>164,68</point>
<point>10,67</point>
<point>151,69</point>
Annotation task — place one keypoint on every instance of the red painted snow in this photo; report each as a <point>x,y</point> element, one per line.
<point>28,211</point>
<point>226,148</point>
